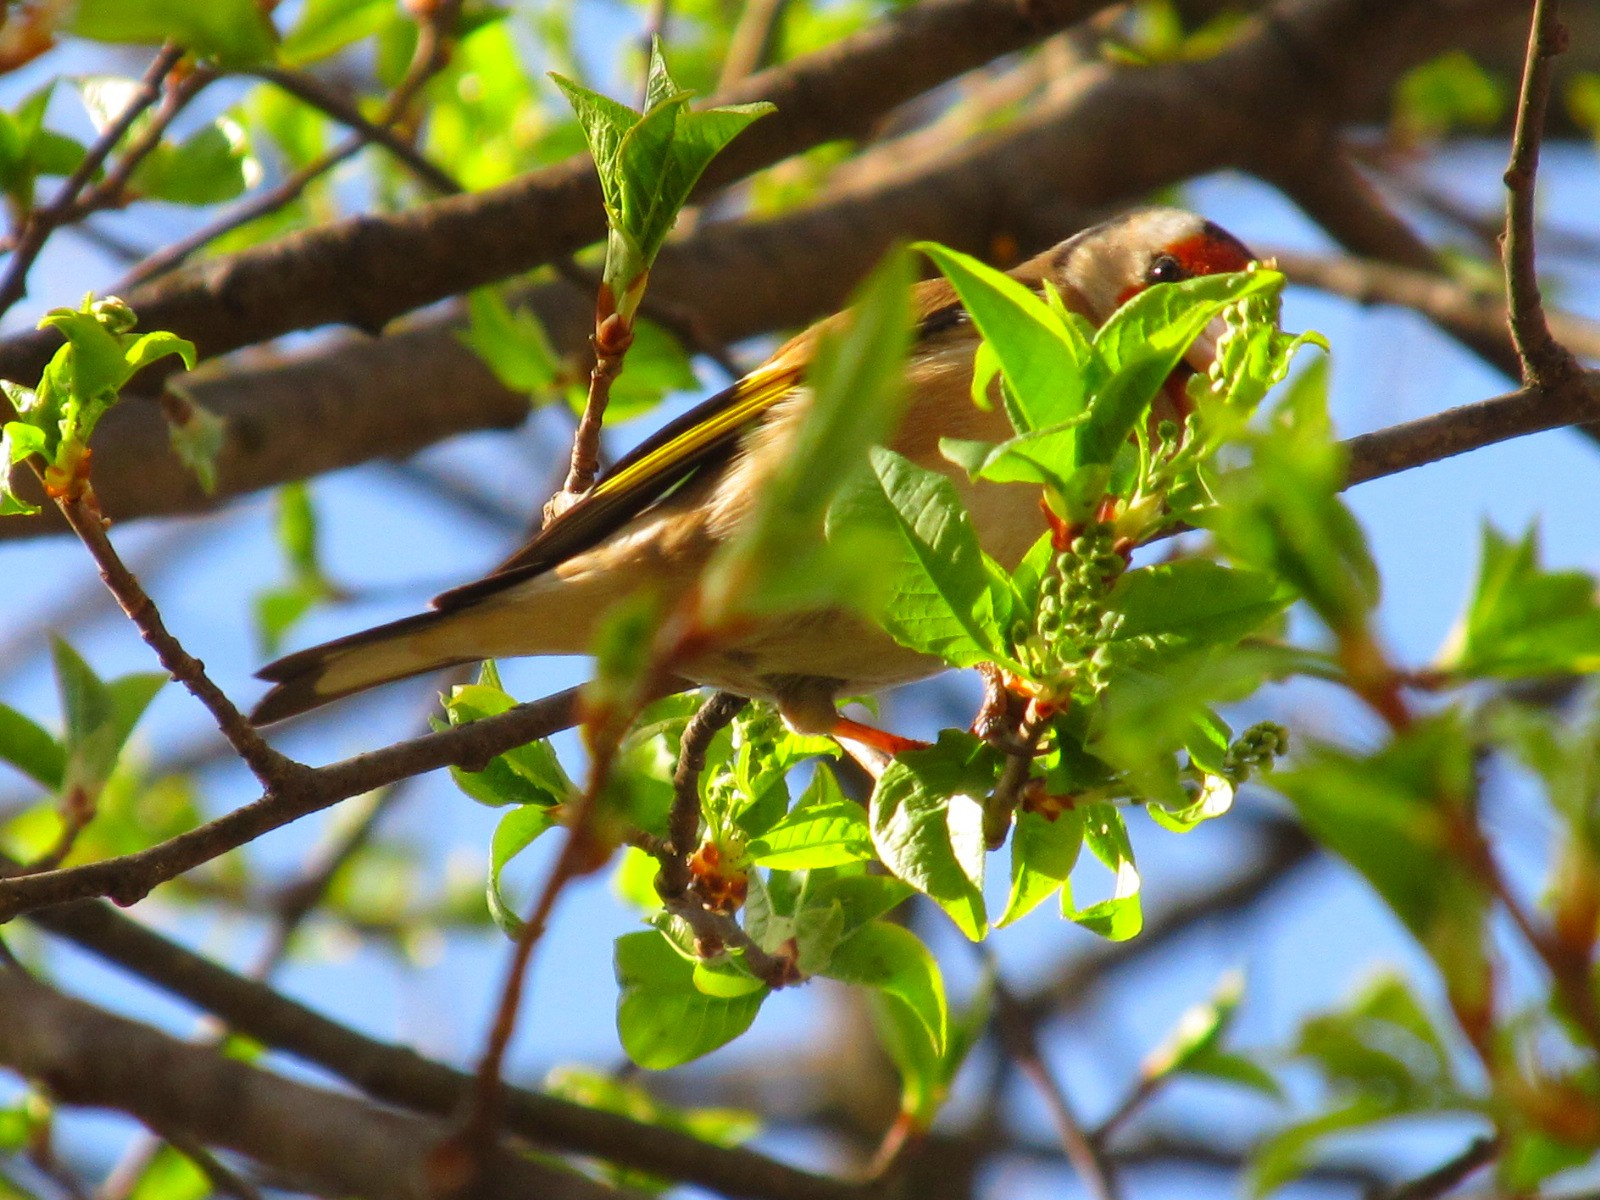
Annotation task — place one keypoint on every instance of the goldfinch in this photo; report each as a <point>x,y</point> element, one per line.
<point>661,512</point>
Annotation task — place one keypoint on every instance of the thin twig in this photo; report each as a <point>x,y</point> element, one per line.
<point>1138,1096</point>
<point>1018,1035</point>
<point>312,91</point>
<point>129,877</point>
<point>398,1076</point>
<point>481,1126</point>
<point>1479,1153</point>
<point>430,57</point>
<point>1007,794</point>
<point>612,337</point>
<point>275,771</point>
<point>683,825</point>
<point>111,192</point>
<point>1545,362</point>
<point>42,223</point>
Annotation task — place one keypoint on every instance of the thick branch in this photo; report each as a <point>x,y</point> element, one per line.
<point>366,270</point>
<point>338,407</point>
<point>399,1076</point>
<point>327,1143</point>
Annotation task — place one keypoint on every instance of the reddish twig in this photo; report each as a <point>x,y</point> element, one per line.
<point>1545,362</point>
<point>275,771</point>
<point>612,337</point>
<point>578,856</point>
<point>40,224</point>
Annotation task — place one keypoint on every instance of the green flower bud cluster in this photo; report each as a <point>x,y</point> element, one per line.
<point>1071,621</point>
<point>1253,750</point>
<point>759,727</point>
<point>113,314</point>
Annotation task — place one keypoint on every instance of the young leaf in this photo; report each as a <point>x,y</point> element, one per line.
<point>927,824</point>
<point>29,748</point>
<point>1283,514</point>
<point>894,961</point>
<point>941,602</point>
<point>1523,620</point>
<point>1395,816</point>
<point>516,831</point>
<point>1043,853</point>
<point>1044,355</point>
<point>1121,916</point>
<point>662,1018</point>
<point>1144,341</point>
<point>527,775</point>
<point>824,829</point>
<point>235,32</point>
<point>857,385</point>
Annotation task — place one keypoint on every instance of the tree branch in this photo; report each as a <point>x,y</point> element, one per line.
<point>39,225</point>
<point>399,1076</point>
<point>744,277</point>
<point>1545,362</point>
<point>366,270</point>
<point>129,877</point>
<point>329,1143</point>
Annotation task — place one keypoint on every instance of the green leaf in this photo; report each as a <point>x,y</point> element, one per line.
<point>939,596</point>
<point>211,165</point>
<point>235,32</point>
<point>1283,513</point>
<point>30,748</point>
<point>1445,94</point>
<point>98,716</point>
<point>1119,917</point>
<point>927,823</point>
<point>1395,816</point>
<point>513,343</point>
<point>197,435</point>
<point>1043,853</point>
<point>1044,354</point>
<point>526,775</point>
<point>824,829</point>
<point>1193,603</point>
<point>1194,1047</point>
<point>859,898</point>
<point>516,831</point>
<point>1287,1154</point>
<point>894,961</point>
<point>662,1018</point>
<point>1144,341</point>
<point>326,27</point>
<point>1523,620</point>
<point>648,164</point>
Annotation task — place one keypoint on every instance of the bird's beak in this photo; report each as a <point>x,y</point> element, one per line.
<point>1203,352</point>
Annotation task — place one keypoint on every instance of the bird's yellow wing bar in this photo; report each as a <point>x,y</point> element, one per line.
<point>649,472</point>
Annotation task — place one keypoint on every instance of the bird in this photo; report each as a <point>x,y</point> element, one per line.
<point>661,512</point>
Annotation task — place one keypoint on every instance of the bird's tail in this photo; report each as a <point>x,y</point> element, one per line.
<point>316,676</point>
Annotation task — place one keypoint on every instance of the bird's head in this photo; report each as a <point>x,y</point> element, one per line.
<point>1106,265</point>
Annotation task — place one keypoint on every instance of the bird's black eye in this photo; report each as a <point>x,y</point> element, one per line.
<point>1165,269</point>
